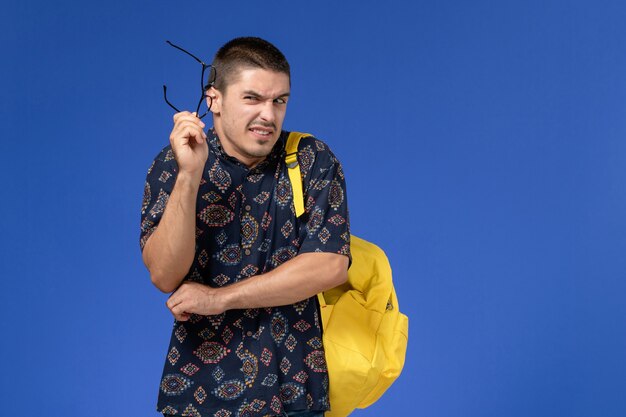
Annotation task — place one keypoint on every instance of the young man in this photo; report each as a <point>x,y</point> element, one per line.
<point>219,231</point>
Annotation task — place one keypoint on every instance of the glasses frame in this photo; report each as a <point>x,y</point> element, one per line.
<point>210,83</point>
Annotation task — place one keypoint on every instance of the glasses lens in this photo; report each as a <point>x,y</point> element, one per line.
<point>208,78</point>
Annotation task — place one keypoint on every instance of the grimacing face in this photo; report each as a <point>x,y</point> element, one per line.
<point>248,116</point>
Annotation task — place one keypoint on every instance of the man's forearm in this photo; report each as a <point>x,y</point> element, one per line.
<point>295,280</point>
<point>170,250</point>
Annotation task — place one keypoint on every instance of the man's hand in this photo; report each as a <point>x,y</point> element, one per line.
<point>194,298</point>
<point>189,144</point>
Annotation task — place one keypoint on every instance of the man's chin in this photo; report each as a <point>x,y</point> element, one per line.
<point>260,153</point>
<point>264,147</point>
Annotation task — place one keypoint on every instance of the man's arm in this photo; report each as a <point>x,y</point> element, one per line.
<point>169,252</point>
<point>295,280</point>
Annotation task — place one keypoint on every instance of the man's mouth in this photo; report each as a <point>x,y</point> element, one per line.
<point>261,131</point>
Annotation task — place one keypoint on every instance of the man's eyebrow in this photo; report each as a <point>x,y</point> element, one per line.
<point>255,94</point>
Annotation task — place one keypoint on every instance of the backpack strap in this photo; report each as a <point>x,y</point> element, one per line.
<point>291,159</point>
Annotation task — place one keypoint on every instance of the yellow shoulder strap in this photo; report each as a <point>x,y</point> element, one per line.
<point>291,159</point>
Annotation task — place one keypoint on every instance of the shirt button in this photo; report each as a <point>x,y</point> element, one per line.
<point>248,208</point>
<point>249,333</point>
<point>247,252</point>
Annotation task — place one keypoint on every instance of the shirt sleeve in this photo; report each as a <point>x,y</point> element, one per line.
<point>325,224</point>
<point>159,185</point>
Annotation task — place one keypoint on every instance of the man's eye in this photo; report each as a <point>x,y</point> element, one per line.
<point>250,98</point>
<point>280,101</point>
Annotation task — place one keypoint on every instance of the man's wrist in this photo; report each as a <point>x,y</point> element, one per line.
<point>231,297</point>
<point>190,180</point>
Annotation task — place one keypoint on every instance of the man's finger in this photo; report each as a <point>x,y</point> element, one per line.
<point>180,307</point>
<point>185,124</point>
<point>182,317</point>
<point>188,117</point>
<point>180,114</point>
<point>189,132</point>
<point>173,301</point>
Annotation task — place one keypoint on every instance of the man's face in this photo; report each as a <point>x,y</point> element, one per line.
<point>248,116</point>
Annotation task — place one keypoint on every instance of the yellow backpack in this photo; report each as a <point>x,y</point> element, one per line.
<point>365,335</point>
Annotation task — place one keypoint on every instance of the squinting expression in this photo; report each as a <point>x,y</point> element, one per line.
<point>248,116</point>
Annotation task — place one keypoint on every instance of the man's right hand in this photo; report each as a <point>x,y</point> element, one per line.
<point>189,143</point>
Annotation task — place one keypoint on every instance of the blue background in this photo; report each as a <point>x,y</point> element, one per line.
<point>484,146</point>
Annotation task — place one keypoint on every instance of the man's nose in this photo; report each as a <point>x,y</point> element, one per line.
<point>267,111</point>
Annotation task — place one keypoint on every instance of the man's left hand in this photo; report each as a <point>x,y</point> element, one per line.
<point>194,298</point>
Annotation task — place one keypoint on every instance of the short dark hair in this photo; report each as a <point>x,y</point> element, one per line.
<point>245,53</point>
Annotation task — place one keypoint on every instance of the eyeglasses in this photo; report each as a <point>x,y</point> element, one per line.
<point>203,86</point>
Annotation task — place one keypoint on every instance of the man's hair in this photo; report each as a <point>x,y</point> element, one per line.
<point>246,53</point>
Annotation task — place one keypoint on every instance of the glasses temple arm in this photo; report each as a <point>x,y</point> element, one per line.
<point>167,101</point>
<point>188,53</point>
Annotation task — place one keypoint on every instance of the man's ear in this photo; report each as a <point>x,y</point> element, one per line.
<point>214,99</point>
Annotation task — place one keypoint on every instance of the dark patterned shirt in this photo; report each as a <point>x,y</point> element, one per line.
<point>253,362</point>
